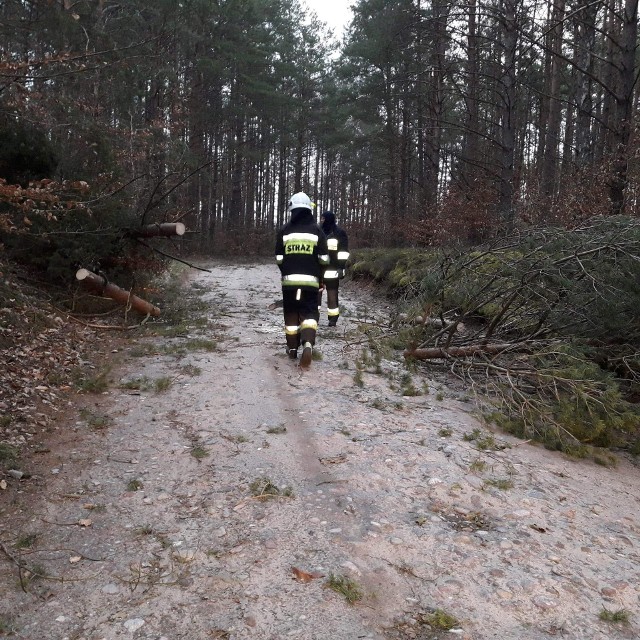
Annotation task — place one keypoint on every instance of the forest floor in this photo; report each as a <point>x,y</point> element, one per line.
<point>217,490</point>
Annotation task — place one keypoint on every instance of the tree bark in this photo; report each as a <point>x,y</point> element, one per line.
<point>508,114</point>
<point>460,352</point>
<point>624,105</point>
<point>164,229</point>
<point>436,99</point>
<point>552,133</point>
<point>470,145</point>
<point>584,48</point>
<point>100,285</point>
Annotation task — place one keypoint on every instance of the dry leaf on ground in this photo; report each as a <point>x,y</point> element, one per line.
<point>304,576</point>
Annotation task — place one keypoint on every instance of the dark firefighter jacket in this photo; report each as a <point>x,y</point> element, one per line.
<point>338,246</point>
<point>301,252</point>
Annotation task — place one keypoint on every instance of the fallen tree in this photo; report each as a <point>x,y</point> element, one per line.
<point>460,352</point>
<point>159,229</point>
<point>542,323</point>
<point>99,284</point>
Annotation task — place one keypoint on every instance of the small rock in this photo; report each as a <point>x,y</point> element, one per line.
<point>352,568</point>
<point>545,602</point>
<point>14,473</point>
<point>133,624</point>
<point>451,586</point>
<point>475,482</point>
<point>110,589</point>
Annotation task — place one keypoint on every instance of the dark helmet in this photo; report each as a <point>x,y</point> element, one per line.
<point>329,218</point>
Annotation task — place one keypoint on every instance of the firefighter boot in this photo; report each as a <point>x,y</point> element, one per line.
<point>307,354</point>
<point>293,342</point>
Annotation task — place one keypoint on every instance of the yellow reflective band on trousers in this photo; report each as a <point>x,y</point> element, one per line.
<point>291,330</point>
<point>333,312</point>
<point>300,280</point>
<point>343,255</point>
<point>331,275</point>
<point>309,324</point>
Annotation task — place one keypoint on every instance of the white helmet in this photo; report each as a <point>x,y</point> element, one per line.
<point>300,201</point>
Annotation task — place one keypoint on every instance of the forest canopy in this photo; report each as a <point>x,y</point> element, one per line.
<point>430,123</point>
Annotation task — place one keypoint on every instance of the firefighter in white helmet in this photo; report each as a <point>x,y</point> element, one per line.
<point>301,254</point>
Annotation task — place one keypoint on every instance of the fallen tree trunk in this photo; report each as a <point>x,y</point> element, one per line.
<point>461,352</point>
<point>164,229</point>
<point>100,285</point>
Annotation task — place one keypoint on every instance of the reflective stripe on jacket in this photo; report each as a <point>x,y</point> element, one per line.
<point>338,246</point>
<point>301,252</point>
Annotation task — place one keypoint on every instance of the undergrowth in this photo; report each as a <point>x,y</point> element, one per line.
<point>565,301</point>
<point>345,586</point>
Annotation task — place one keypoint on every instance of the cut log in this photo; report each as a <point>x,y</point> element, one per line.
<point>460,352</point>
<point>165,229</point>
<point>100,285</point>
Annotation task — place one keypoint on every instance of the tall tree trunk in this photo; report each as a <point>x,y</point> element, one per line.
<point>391,146</point>
<point>508,115</point>
<point>435,106</point>
<point>470,157</point>
<point>299,159</point>
<point>624,104</point>
<point>552,134</point>
<point>405,162</point>
<point>283,196</point>
<point>543,114</point>
<point>585,41</point>
<point>235,207</point>
<point>604,142</point>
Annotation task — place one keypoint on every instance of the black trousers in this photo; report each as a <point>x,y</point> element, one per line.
<point>333,307</point>
<point>300,308</point>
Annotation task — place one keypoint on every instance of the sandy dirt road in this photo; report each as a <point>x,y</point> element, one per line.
<point>142,520</point>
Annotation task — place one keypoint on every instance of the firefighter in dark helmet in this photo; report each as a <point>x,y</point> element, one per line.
<point>301,254</point>
<point>338,246</point>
